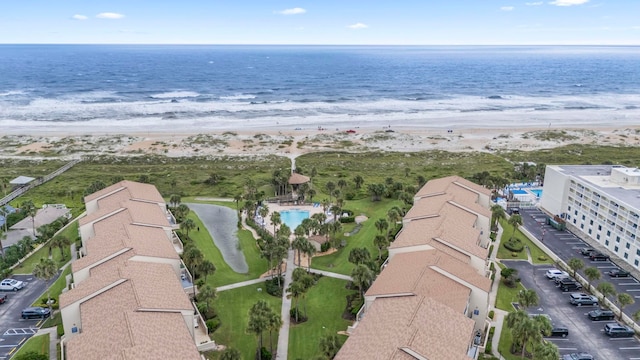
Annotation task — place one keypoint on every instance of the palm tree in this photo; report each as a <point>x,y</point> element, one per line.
<point>342,183</point>
<point>309,250</point>
<point>606,289</point>
<point>60,242</point>
<point>575,264</point>
<point>515,221</point>
<point>298,244</point>
<point>382,225</point>
<point>636,315</point>
<point>264,211</point>
<point>381,242</point>
<point>175,200</point>
<point>30,209</point>
<point>206,268</point>
<point>181,212</point>
<point>623,300</point>
<point>358,180</point>
<point>329,345</point>
<point>546,350</point>
<point>275,323</point>
<point>187,225</point>
<point>237,200</point>
<point>275,220</point>
<point>592,273</point>
<point>193,258</point>
<point>206,294</point>
<point>362,277</point>
<point>527,298</point>
<point>259,321</point>
<point>513,320</point>
<point>296,288</point>
<point>46,270</point>
<point>330,186</point>
<point>497,213</point>
<point>231,354</point>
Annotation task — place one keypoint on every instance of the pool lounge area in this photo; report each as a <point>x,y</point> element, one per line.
<point>293,217</point>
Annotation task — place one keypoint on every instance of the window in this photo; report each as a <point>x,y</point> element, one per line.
<point>638,252</point>
<point>582,217</point>
<point>626,256</point>
<point>589,231</point>
<point>598,237</point>
<point>569,208</point>
<point>608,232</point>
<point>636,262</point>
<point>615,248</point>
<point>599,227</point>
<point>607,243</point>
<point>590,222</point>
<point>575,212</point>
<point>628,246</point>
<point>574,221</point>
<point>617,239</point>
<point>581,226</point>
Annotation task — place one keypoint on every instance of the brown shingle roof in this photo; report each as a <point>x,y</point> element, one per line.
<point>139,213</point>
<point>155,285</point>
<point>113,329</point>
<point>297,179</point>
<point>431,205</point>
<point>392,324</point>
<point>442,184</point>
<point>410,273</point>
<point>135,190</point>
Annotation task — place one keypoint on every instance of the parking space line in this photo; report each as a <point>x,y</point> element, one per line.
<point>633,290</point>
<point>630,348</point>
<point>628,284</point>
<point>605,266</point>
<point>568,349</point>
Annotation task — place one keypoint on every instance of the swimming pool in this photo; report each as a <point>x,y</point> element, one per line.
<point>293,217</point>
<point>536,192</point>
<point>519,192</point>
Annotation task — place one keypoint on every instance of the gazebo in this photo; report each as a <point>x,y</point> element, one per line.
<point>295,181</point>
<point>21,181</point>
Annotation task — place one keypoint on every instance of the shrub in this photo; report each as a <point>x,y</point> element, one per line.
<point>213,325</point>
<point>265,354</point>
<point>490,250</point>
<point>347,219</point>
<point>488,345</point>
<point>542,258</point>
<point>514,245</point>
<point>491,314</point>
<point>348,212</point>
<point>273,288</point>
<point>325,247</point>
<point>301,317</point>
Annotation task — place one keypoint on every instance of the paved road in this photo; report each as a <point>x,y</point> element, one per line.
<point>567,245</point>
<point>222,224</point>
<point>14,331</point>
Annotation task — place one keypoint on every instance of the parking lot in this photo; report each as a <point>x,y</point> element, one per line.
<point>584,335</point>
<point>567,245</point>
<point>14,331</point>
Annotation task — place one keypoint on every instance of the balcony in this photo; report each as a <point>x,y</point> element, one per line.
<point>177,243</point>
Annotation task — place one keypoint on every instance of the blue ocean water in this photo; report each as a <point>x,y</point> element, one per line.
<point>113,87</point>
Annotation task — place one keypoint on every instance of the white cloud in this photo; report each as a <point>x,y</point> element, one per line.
<point>358,26</point>
<point>292,11</point>
<point>507,8</point>
<point>109,15</point>
<point>79,17</point>
<point>537,3</point>
<point>568,2</point>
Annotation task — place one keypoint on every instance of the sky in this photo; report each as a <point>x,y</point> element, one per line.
<point>321,22</point>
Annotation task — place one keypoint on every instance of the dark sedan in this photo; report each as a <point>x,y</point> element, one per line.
<point>618,273</point>
<point>559,331</point>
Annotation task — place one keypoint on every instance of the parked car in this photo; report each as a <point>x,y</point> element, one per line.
<point>599,257</point>
<point>553,273</point>
<point>619,273</point>
<point>35,312</point>
<point>580,299</point>
<point>3,299</point>
<point>587,251</point>
<point>569,285</point>
<point>561,278</point>
<point>560,331</point>
<point>11,285</point>
<point>600,314</point>
<point>577,356</point>
<point>617,330</point>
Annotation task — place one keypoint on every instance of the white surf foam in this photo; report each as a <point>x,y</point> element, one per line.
<point>175,94</point>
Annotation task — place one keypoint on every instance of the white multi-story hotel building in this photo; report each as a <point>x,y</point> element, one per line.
<point>600,201</point>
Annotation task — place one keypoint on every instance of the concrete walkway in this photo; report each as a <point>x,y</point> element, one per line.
<point>498,315</point>
<point>53,340</point>
<point>331,274</point>
<point>283,336</point>
<point>241,284</point>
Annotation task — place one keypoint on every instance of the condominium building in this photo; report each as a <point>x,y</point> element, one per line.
<point>431,299</point>
<point>601,202</point>
<point>130,290</point>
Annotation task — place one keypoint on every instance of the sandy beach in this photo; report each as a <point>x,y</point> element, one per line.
<point>295,142</point>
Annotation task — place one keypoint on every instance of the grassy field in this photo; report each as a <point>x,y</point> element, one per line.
<point>224,275</point>
<point>537,255</point>
<point>233,309</point>
<point>38,344</point>
<point>506,295</point>
<point>325,317</point>
<point>56,288</point>
<point>71,232</point>
<point>338,262</point>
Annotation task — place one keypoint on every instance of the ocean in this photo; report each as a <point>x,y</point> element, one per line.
<point>120,88</point>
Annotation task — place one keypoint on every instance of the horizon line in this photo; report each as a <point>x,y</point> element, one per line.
<point>296,44</point>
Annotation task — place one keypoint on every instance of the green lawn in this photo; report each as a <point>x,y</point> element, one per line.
<point>338,262</point>
<point>325,317</point>
<point>233,307</point>
<point>38,344</point>
<point>506,295</point>
<point>224,275</point>
<point>536,252</point>
<point>71,232</point>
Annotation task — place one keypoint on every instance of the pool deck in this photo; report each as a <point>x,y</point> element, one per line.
<point>275,207</point>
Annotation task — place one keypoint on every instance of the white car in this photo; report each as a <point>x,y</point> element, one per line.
<point>552,273</point>
<point>11,285</point>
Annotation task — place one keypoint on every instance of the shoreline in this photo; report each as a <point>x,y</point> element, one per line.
<point>294,142</point>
